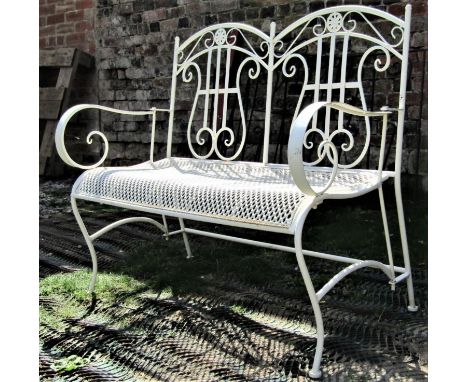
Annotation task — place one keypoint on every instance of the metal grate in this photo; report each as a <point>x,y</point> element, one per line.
<point>198,336</point>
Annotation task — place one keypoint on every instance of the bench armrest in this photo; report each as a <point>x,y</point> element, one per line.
<point>60,131</point>
<point>296,143</point>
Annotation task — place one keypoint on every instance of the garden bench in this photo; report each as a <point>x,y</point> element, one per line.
<point>213,186</point>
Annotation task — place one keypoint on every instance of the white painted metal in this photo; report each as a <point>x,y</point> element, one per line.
<point>352,268</point>
<point>314,300</point>
<point>269,95</point>
<point>283,248</point>
<point>89,243</point>
<point>185,236</point>
<point>262,196</point>
<point>118,223</point>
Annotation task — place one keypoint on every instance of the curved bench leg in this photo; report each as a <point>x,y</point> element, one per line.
<point>387,235</point>
<point>89,242</point>
<point>315,372</point>
<point>404,243</point>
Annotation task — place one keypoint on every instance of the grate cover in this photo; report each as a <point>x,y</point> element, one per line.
<point>232,327</point>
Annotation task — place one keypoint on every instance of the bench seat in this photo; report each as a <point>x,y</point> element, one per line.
<point>243,192</point>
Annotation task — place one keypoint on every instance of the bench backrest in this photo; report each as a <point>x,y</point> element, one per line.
<point>315,49</point>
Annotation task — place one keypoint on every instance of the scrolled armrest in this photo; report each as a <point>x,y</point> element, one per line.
<point>296,143</point>
<point>60,132</point>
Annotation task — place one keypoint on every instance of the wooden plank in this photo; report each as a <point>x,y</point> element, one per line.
<point>56,101</point>
<point>65,77</point>
<point>46,153</point>
<point>49,109</point>
<point>47,145</point>
<point>57,57</point>
<point>84,59</point>
<point>51,94</point>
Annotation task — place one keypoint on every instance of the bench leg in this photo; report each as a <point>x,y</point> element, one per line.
<point>89,242</point>
<point>404,243</point>
<point>315,372</point>
<point>166,237</point>
<point>387,235</point>
<point>185,236</point>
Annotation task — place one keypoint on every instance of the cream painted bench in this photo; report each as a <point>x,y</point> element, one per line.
<point>214,187</point>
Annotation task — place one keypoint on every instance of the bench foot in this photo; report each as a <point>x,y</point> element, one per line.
<point>413,308</point>
<point>89,243</point>
<point>315,372</point>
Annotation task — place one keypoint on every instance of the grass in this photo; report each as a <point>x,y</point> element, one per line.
<point>71,299</point>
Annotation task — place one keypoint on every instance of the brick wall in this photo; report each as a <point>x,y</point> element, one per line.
<point>134,43</point>
<point>67,23</point>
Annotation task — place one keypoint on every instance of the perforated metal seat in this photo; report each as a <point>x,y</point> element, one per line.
<point>241,191</point>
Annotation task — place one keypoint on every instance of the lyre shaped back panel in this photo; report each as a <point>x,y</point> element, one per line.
<point>213,67</point>
<point>332,53</point>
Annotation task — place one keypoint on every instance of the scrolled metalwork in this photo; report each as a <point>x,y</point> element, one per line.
<point>62,124</point>
<point>299,138</point>
<point>215,45</point>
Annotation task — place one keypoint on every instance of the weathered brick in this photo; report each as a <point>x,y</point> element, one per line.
<point>419,39</point>
<point>198,8</point>
<point>371,2</point>
<point>267,12</point>
<point>47,31</point>
<point>175,12</point>
<point>75,38</point>
<point>224,17</point>
<point>299,7</point>
<point>137,73</point>
<point>55,19</point>
<point>84,4</point>
<point>211,19</point>
<point>332,3</point>
<point>74,15</point>
<point>106,95</point>
<point>169,25</point>
<point>238,15</point>
<point>45,10</point>
<point>252,13</point>
<point>224,5</point>
<point>65,28</point>
<point>82,26</point>
<point>126,9</point>
<point>114,63</point>
<point>165,3</point>
<point>283,10</point>
<point>397,9</point>
<point>64,7</point>
<point>155,27</point>
<point>316,5</point>
<point>142,5</point>
<point>155,15</point>
<point>183,22</point>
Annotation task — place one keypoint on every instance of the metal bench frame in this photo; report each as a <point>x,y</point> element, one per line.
<point>273,54</point>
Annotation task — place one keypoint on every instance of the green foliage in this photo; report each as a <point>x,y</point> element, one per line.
<point>70,363</point>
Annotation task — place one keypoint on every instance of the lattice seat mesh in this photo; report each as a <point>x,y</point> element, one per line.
<point>239,191</point>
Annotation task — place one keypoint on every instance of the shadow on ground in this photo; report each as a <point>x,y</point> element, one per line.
<point>233,312</point>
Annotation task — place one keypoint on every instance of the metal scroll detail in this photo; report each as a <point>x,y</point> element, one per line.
<point>323,30</point>
<point>216,47</point>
